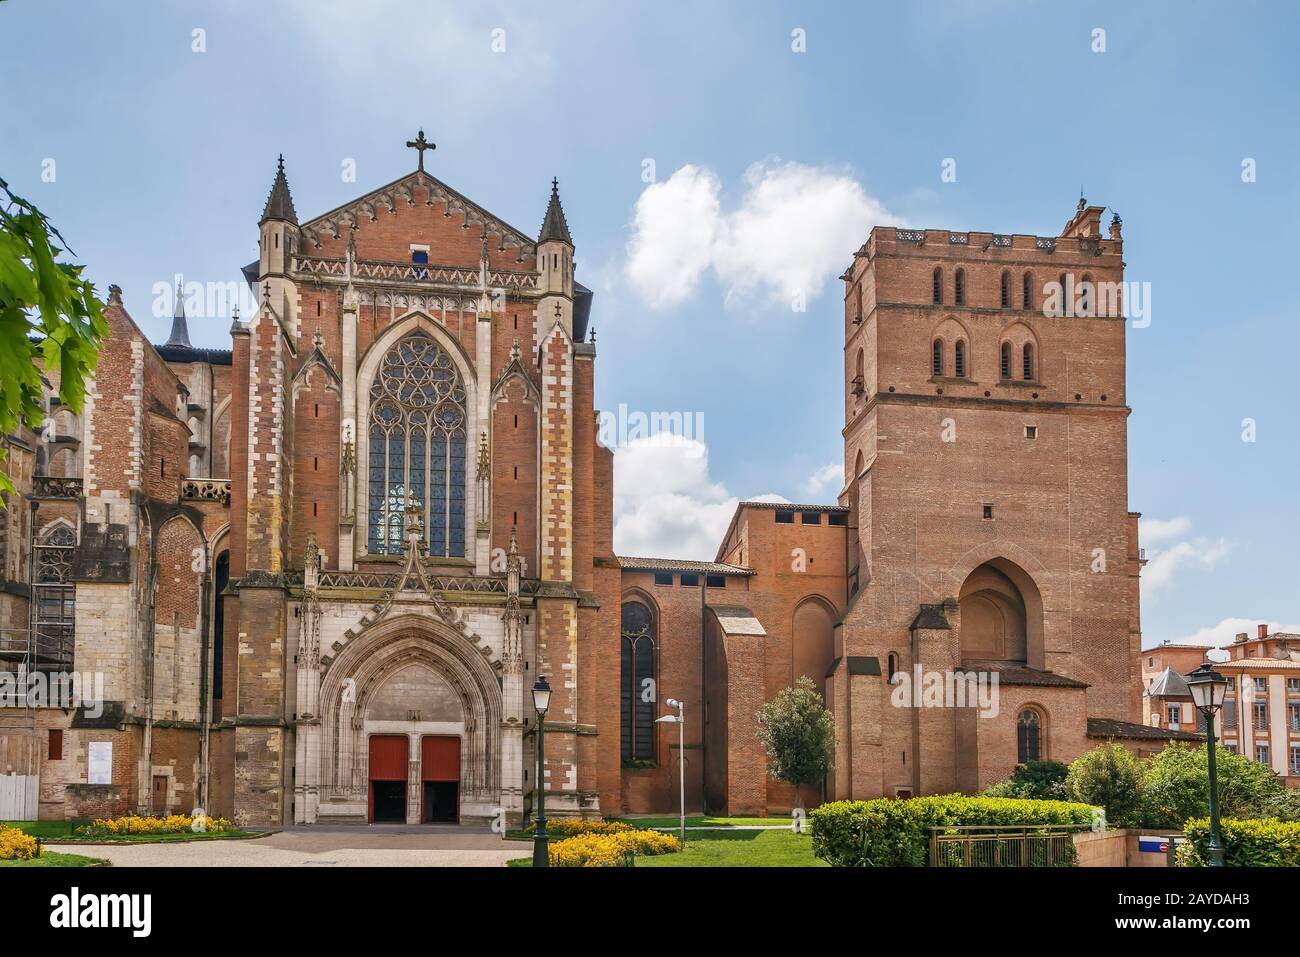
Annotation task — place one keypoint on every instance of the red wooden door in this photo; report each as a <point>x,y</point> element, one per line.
<point>439,761</point>
<point>389,757</point>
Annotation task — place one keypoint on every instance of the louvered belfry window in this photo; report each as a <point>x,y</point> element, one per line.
<point>417,449</point>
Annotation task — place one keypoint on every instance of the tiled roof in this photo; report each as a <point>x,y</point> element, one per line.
<point>1030,677</point>
<point>174,353</point>
<point>791,506</point>
<point>1260,664</point>
<point>681,565</point>
<point>1114,728</point>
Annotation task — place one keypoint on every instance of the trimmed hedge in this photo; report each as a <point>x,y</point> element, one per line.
<point>890,832</point>
<point>1260,842</point>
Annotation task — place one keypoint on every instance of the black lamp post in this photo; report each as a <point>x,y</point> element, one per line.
<point>1208,689</point>
<point>541,701</point>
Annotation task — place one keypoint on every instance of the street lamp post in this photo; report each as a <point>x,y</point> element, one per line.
<point>541,701</point>
<point>1208,689</point>
<point>679,719</point>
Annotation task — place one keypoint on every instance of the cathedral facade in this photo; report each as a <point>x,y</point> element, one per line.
<point>317,574</point>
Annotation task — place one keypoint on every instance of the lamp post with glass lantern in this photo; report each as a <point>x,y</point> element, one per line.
<point>541,701</point>
<point>1209,688</point>
<point>679,719</point>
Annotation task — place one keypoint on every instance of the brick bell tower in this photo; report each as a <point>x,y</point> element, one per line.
<point>985,444</point>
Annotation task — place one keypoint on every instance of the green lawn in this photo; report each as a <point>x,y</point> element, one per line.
<point>740,849</point>
<point>54,859</point>
<point>63,832</point>
<point>732,849</point>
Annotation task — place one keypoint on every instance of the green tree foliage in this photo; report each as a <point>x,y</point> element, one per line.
<point>799,735</point>
<point>1035,780</point>
<point>1109,776</point>
<point>46,310</point>
<point>1175,786</point>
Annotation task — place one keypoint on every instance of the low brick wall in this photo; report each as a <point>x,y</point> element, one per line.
<point>1118,848</point>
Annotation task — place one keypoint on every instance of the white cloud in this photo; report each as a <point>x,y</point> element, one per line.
<point>793,230</point>
<point>1164,564</point>
<point>769,497</point>
<point>1161,529</point>
<point>1224,632</point>
<point>665,503</point>
<point>828,478</point>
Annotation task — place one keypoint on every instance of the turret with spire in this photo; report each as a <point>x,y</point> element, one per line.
<point>555,264</point>
<point>180,332</point>
<point>278,226</point>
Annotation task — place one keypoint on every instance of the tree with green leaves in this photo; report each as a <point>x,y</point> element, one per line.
<point>1111,777</point>
<point>1034,780</point>
<point>50,319</point>
<point>798,734</point>
<point>1176,785</point>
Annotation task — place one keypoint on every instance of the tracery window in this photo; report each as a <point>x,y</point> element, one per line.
<point>417,449</point>
<point>56,601</point>
<point>637,682</point>
<point>1028,736</point>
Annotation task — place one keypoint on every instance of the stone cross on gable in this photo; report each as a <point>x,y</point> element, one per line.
<point>421,144</point>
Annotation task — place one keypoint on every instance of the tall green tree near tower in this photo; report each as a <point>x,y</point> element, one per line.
<point>798,734</point>
<point>48,312</point>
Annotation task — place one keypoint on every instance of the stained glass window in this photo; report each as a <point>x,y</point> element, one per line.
<point>56,600</point>
<point>639,694</point>
<point>417,449</point>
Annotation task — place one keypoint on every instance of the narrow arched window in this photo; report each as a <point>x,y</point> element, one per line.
<point>1027,293</point>
<point>936,286</point>
<point>893,666</point>
<point>55,598</point>
<point>960,288</point>
<point>1029,361</point>
<point>417,450</point>
<point>1085,295</point>
<point>959,359</point>
<point>1006,360</point>
<point>936,357</point>
<point>637,683</point>
<point>1006,290</point>
<point>1028,737</point>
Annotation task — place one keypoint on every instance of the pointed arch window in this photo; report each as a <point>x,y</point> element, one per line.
<point>417,449</point>
<point>1029,727</point>
<point>1029,362</point>
<point>959,359</point>
<point>1006,290</point>
<point>936,286</point>
<point>936,357</point>
<point>637,683</point>
<point>1027,291</point>
<point>960,288</point>
<point>55,598</point>
<point>1006,360</point>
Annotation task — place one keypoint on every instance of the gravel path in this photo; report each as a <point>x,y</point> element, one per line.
<point>333,847</point>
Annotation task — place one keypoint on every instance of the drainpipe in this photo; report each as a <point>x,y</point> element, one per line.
<point>205,673</point>
<point>146,778</point>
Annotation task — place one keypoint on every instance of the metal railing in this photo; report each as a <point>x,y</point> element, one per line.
<point>1004,846</point>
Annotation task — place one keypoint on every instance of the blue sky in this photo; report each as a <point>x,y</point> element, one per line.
<point>163,158</point>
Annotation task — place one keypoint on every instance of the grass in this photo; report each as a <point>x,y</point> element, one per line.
<point>54,859</point>
<point>731,849</point>
<point>64,832</point>
<point>740,849</point>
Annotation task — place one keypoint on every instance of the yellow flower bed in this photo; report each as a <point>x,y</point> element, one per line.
<point>134,824</point>
<point>572,827</point>
<point>15,845</point>
<point>618,849</point>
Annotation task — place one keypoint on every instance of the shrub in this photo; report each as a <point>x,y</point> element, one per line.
<point>1265,842</point>
<point>1175,786</point>
<point>617,849</point>
<point>134,824</point>
<point>1035,780</point>
<point>1285,805</point>
<point>572,827</point>
<point>896,833</point>
<point>1109,776</point>
<point>15,845</point>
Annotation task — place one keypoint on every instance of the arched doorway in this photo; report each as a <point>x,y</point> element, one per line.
<point>1001,616</point>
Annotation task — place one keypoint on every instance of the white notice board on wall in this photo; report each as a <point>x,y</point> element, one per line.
<point>99,762</point>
